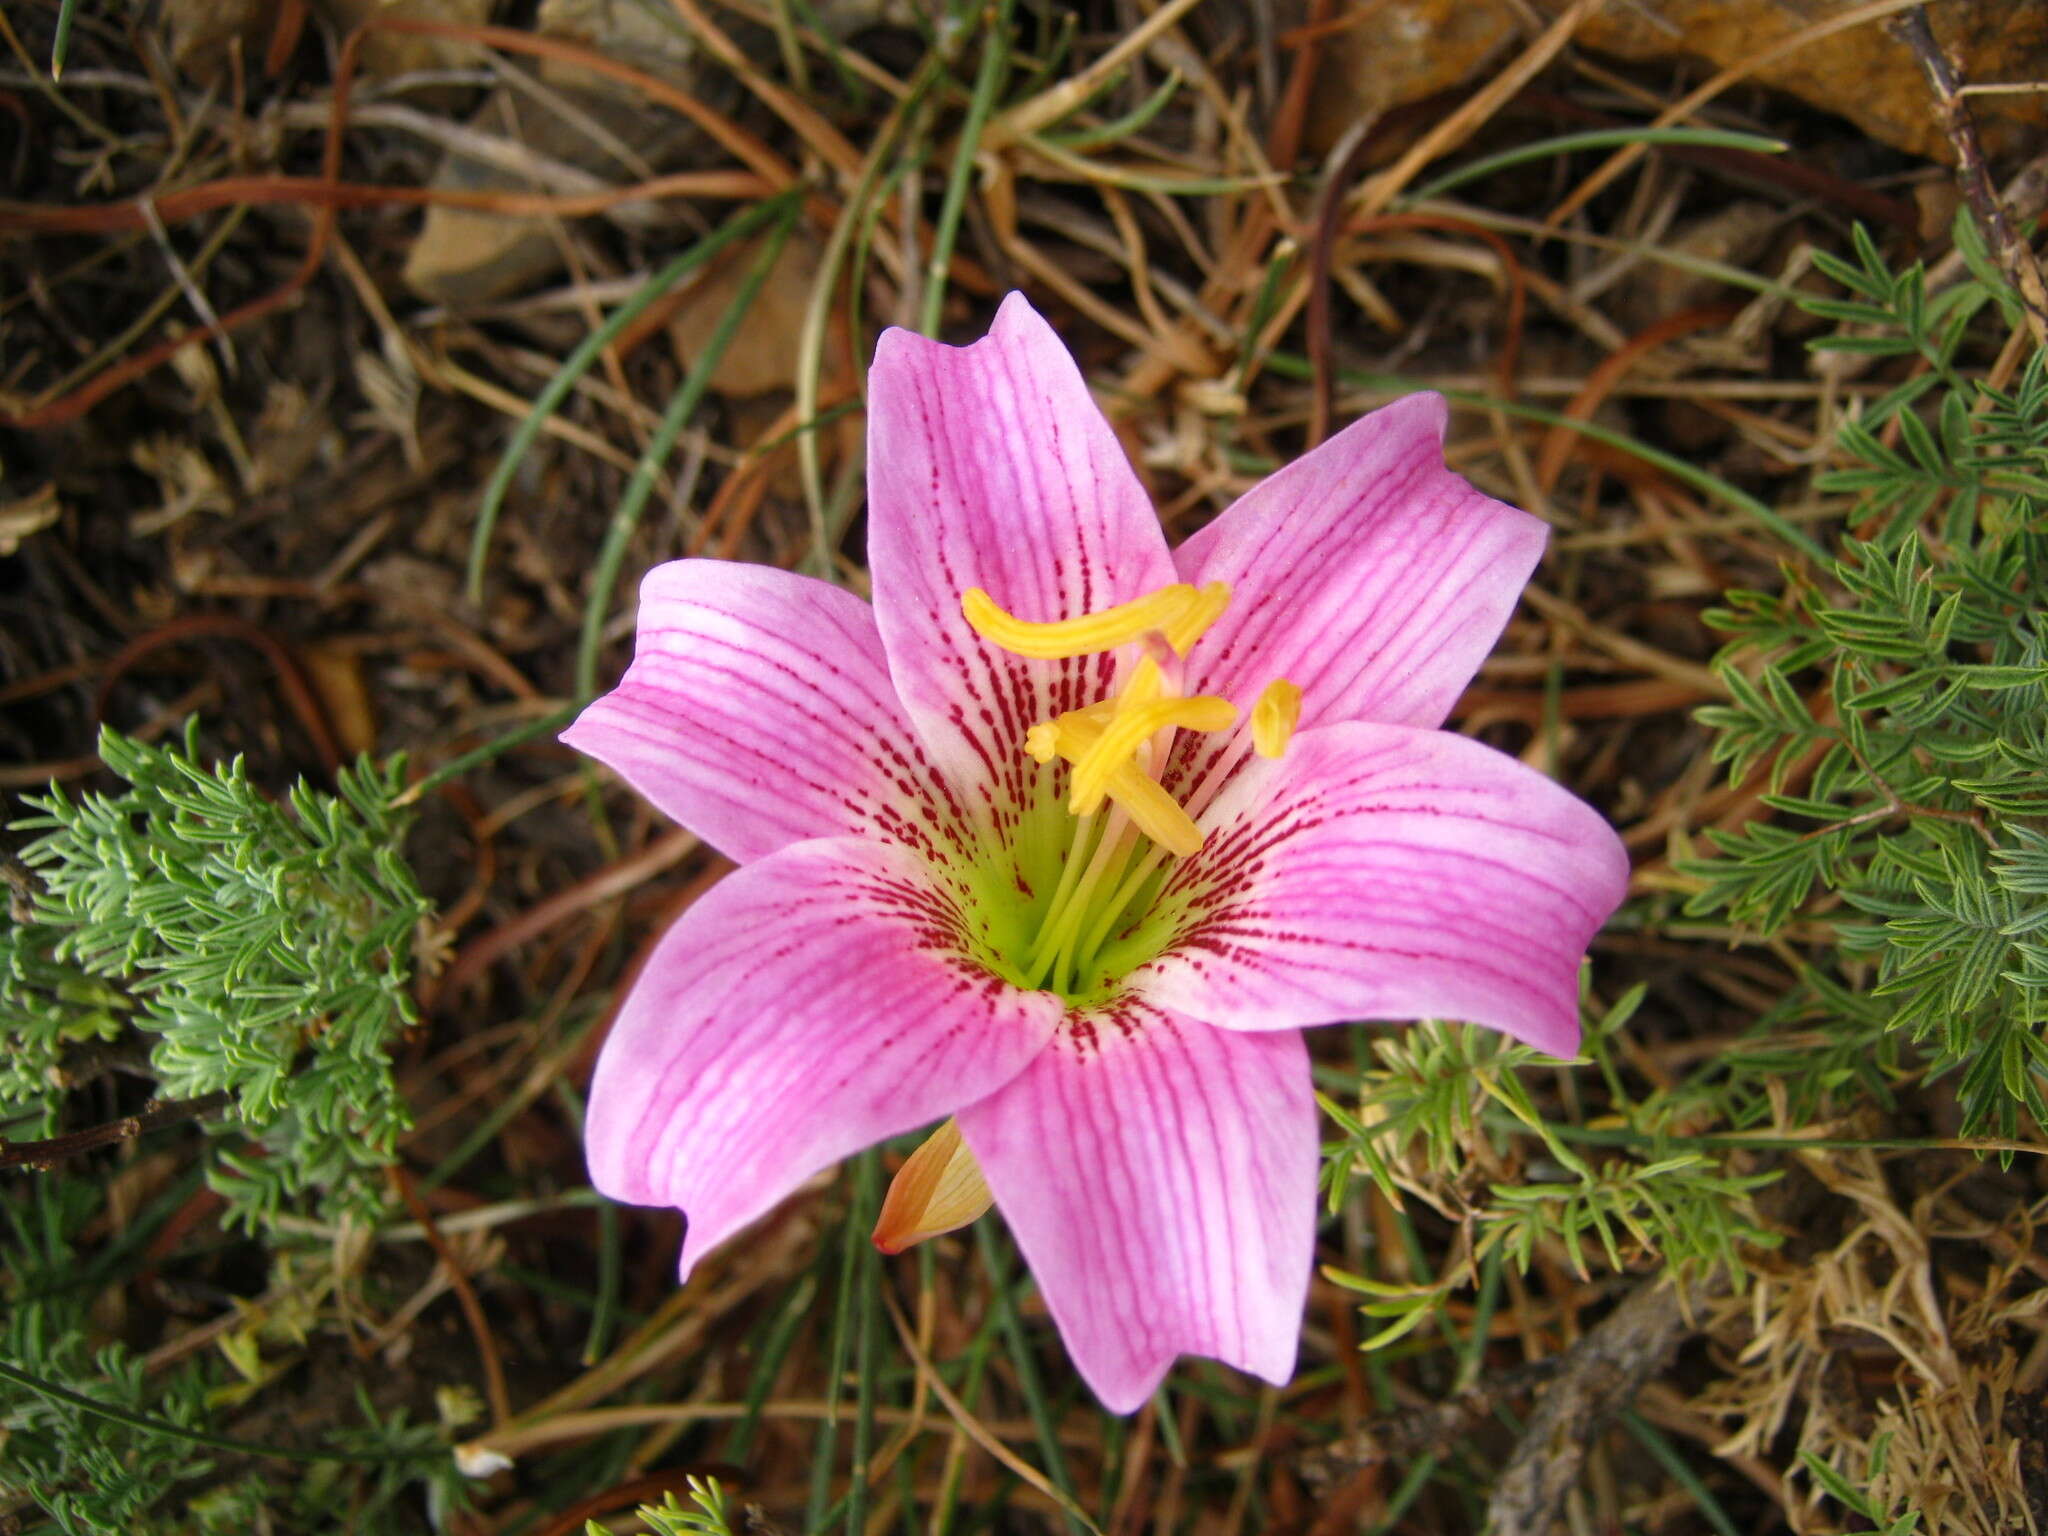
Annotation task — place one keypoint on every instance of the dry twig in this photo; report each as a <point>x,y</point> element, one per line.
<point>48,1153</point>
<point>1597,1378</point>
<point>1972,175</point>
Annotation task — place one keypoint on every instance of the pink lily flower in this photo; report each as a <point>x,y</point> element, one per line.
<point>1069,835</point>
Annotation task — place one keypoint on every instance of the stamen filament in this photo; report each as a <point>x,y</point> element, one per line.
<point>1105,924</point>
<point>1146,683</point>
<point>1098,917</point>
<point>1282,710</point>
<point>1079,853</point>
<point>1056,934</point>
<point>1117,845</point>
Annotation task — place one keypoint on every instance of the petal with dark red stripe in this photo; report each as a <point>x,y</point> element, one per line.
<point>809,1005</point>
<point>1365,572</point>
<point>1160,1177</point>
<point>991,466</point>
<point>1378,872</point>
<point>758,712</point>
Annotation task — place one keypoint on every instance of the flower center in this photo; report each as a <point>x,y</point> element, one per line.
<point>1111,833</point>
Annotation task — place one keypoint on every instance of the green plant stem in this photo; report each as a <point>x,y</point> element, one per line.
<point>867,1182</point>
<point>1607,1136</point>
<point>604,1312</point>
<point>586,352</point>
<point>996,1264</point>
<point>156,1426</point>
<point>60,44</point>
<point>818,314</point>
<point>978,1351</point>
<point>1597,138</point>
<point>852,1239</point>
<point>988,85</point>
<point>1472,1352</point>
<point>681,407</point>
<point>476,757</point>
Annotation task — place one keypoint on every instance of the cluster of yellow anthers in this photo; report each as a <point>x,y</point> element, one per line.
<point>1114,748</point>
<point>1114,745</point>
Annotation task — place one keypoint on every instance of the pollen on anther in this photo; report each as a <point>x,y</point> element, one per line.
<point>1275,716</point>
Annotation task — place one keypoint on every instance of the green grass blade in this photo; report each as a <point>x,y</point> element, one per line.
<point>996,1262</point>
<point>60,45</point>
<point>1123,127</point>
<point>1690,474</point>
<point>587,351</point>
<point>1405,1494</point>
<point>796,1311</point>
<point>456,767</point>
<point>988,85</point>
<point>853,218</point>
<point>681,407</point>
<point>1666,1455</point>
<point>1598,138</point>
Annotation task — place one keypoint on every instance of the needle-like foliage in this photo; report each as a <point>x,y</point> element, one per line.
<point>1899,696</point>
<point>88,1472</point>
<point>267,948</point>
<point>712,1516</point>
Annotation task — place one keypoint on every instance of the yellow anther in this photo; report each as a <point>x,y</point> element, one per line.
<point>1152,810</point>
<point>1133,725</point>
<point>1092,632</point>
<point>1103,742</point>
<point>1274,716</point>
<point>1206,609</point>
<point>1050,738</point>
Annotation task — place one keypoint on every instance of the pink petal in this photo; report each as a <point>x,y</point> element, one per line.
<point>1382,872</point>
<point>758,712</point>
<point>809,1005</point>
<point>1366,572</point>
<point>1160,1177</point>
<point>990,466</point>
